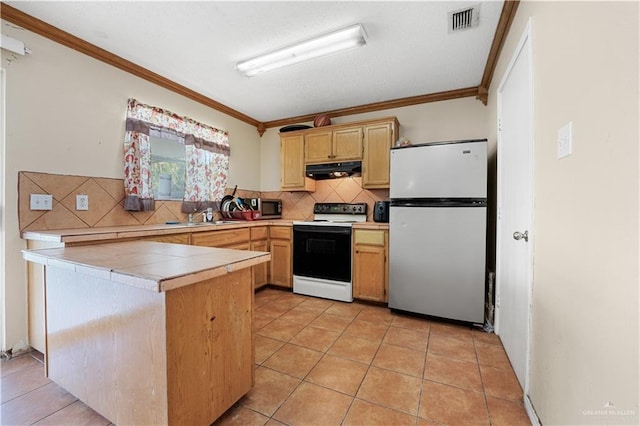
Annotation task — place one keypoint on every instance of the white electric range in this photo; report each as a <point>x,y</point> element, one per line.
<point>322,260</point>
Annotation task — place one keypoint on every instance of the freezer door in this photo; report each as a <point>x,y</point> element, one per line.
<point>437,261</point>
<point>456,170</point>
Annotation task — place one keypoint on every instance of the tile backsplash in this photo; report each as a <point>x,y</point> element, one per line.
<point>106,201</point>
<point>299,205</point>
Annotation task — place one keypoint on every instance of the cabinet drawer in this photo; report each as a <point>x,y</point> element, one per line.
<point>220,238</point>
<point>173,238</point>
<point>259,233</point>
<point>280,232</point>
<point>239,246</point>
<point>365,236</point>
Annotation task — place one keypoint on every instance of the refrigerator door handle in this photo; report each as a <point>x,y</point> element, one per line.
<point>521,236</point>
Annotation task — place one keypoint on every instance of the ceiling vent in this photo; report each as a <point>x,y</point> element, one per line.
<point>463,19</point>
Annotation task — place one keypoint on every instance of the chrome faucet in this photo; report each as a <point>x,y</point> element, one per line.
<point>207,215</point>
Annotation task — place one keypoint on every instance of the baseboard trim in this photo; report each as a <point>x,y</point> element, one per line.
<point>531,412</point>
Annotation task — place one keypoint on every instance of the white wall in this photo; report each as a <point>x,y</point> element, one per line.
<point>455,119</point>
<point>585,285</point>
<point>65,114</point>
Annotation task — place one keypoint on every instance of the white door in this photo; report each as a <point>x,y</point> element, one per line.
<point>515,208</point>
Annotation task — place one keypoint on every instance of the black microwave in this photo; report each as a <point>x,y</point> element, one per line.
<point>268,208</point>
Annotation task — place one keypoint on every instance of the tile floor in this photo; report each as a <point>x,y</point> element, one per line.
<point>320,362</point>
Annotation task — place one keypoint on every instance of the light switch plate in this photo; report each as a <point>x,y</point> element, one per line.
<point>565,140</point>
<point>82,202</point>
<point>41,202</point>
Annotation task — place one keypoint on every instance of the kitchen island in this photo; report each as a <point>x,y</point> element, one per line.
<point>150,333</point>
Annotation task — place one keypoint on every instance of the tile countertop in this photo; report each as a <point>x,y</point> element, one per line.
<point>146,264</point>
<point>138,231</point>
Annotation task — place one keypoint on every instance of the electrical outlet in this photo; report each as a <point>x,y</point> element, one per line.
<point>41,202</point>
<point>82,202</point>
<point>565,140</point>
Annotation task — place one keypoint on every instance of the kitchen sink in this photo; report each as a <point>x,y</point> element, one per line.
<point>217,222</point>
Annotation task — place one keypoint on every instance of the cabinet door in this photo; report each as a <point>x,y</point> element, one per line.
<point>347,144</point>
<point>260,271</point>
<point>370,269</point>
<point>281,263</point>
<point>317,147</point>
<point>292,162</point>
<point>378,140</point>
<point>292,165</point>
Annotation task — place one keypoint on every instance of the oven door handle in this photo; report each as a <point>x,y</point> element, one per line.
<point>323,229</point>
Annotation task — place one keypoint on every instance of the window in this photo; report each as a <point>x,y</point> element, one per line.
<point>168,169</point>
<point>171,157</point>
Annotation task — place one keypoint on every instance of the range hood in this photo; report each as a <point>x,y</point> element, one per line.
<point>333,170</point>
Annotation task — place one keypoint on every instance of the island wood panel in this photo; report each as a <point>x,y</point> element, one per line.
<point>35,294</point>
<point>142,357</point>
<point>106,344</point>
<point>209,324</point>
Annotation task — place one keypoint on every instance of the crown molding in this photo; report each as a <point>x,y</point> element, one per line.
<point>57,35</point>
<point>37,26</point>
<point>378,106</point>
<point>502,30</point>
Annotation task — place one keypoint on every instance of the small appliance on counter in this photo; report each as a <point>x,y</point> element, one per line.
<point>269,208</point>
<point>381,211</point>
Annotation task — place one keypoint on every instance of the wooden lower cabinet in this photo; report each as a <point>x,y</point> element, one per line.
<point>370,265</point>
<point>260,242</point>
<point>280,246</point>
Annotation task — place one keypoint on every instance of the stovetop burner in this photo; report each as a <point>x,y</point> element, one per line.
<point>340,208</point>
<point>337,214</point>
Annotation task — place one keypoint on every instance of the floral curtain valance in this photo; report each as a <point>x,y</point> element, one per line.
<point>207,157</point>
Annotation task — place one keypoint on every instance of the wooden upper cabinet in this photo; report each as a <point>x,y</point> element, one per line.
<point>378,140</point>
<point>332,146</point>
<point>292,177</point>
<point>347,144</point>
<point>318,147</point>
<point>367,140</point>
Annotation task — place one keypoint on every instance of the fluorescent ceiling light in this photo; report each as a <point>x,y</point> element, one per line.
<point>327,44</point>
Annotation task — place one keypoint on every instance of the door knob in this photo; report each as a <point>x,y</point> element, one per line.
<point>521,236</point>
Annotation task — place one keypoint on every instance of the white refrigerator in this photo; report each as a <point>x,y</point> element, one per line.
<point>437,229</point>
